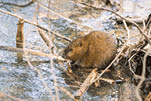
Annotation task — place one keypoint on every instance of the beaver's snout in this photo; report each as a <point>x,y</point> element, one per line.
<point>66,51</point>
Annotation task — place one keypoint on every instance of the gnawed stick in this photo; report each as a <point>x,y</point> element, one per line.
<point>20,38</point>
<point>29,51</point>
<point>88,82</point>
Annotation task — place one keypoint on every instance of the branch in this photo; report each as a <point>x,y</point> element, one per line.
<point>87,83</point>
<point>29,51</point>
<point>128,20</point>
<point>45,29</point>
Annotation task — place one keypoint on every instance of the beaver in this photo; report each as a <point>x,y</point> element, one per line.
<point>95,50</point>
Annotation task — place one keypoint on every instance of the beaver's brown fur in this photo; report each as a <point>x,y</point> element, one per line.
<point>96,49</point>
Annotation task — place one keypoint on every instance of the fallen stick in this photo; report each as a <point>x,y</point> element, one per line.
<point>88,82</point>
<point>29,51</point>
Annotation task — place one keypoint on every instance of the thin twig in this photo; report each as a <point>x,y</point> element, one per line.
<point>29,51</point>
<point>101,8</point>
<point>128,32</point>
<point>142,77</point>
<point>40,75</point>
<point>48,89</point>
<point>53,70</point>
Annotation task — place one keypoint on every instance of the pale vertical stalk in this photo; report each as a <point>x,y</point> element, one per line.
<point>51,55</point>
<point>142,78</point>
<point>128,32</point>
<point>29,63</point>
<point>55,80</point>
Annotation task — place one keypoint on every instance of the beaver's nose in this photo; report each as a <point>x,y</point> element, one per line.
<point>63,55</point>
<point>66,51</point>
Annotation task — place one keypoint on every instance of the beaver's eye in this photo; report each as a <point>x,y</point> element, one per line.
<point>68,50</point>
<point>79,44</point>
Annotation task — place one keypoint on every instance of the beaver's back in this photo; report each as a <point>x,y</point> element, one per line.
<point>96,49</point>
